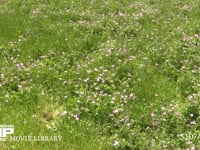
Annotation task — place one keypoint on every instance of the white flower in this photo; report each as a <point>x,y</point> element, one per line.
<point>193,148</point>
<point>116,143</point>
<point>118,110</point>
<point>64,113</point>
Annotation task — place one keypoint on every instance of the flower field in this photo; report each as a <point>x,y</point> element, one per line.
<point>102,75</point>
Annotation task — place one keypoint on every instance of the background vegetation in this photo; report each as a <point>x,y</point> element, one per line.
<point>102,74</point>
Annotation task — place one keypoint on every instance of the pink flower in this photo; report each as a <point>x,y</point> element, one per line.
<point>20,66</point>
<point>193,122</point>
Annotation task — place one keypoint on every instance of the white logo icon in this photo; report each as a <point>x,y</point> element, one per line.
<point>5,130</point>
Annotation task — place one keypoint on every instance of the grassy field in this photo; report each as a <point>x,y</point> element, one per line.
<point>102,74</point>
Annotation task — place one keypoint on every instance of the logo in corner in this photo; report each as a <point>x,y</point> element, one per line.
<point>5,130</point>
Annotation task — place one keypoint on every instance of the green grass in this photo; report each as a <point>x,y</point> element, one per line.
<point>102,74</point>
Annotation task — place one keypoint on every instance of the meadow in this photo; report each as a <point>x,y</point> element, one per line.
<point>104,75</point>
